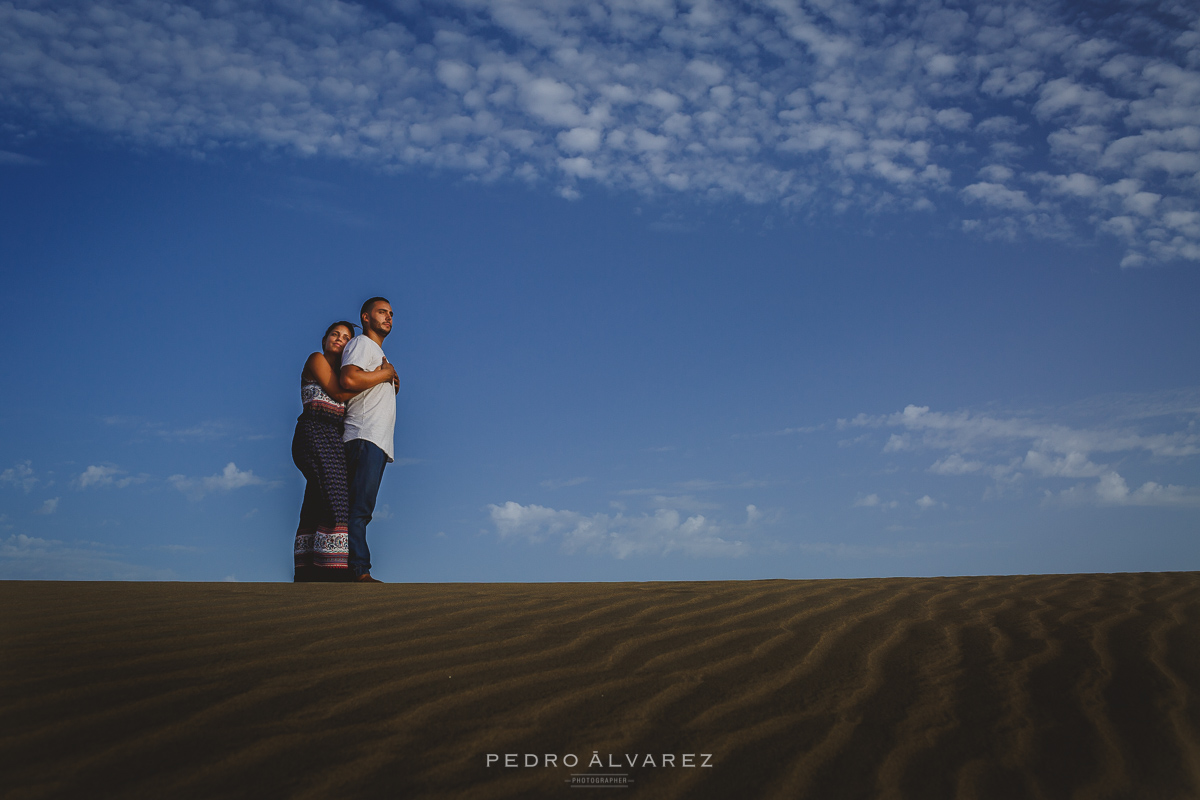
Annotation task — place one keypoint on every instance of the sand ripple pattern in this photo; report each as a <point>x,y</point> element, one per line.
<point>1046,687</point>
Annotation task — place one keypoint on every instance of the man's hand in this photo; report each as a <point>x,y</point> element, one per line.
<point>354,379</point>
<point>395,377</point>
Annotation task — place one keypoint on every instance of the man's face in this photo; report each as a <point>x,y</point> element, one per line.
<point>379,318</point>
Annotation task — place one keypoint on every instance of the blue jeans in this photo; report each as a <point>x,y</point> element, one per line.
<point>364,471</point>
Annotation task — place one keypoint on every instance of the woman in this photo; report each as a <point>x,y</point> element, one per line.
<point>321,541</point>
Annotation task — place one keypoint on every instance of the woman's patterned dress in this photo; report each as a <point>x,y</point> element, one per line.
<point>322,546</point>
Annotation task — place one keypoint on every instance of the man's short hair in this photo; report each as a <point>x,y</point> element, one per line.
<point>370,304</point>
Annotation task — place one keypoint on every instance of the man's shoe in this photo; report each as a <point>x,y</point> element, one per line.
<point>366,578</point>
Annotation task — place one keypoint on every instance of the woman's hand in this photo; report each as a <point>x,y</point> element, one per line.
<point>356,379</point>
<point>395,377</point>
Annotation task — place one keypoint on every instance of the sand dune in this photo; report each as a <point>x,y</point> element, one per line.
<point>1007,687</point>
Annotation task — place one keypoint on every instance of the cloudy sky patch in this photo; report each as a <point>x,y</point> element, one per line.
<point>1083,131</point>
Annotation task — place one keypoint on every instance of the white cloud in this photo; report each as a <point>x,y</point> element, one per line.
<point>456,75</point>
<point>227,480</point>
<point>793,431</point>
<point>1011,448</point>
<point>954,464</point>
<point>551,102</point>
<point>661,533</point>
<point>997,173</point>
<point>1076,184</point>
<point>407,462</point>
<point>579,140</point>
<point>20,475</point>
<point>821,107</point>
<point>1072,465</point>
<point>177,548</point>
<point>18,159</point>
<point>964,431</point>
<point>31,558</point>
<point>1113,490</point>
<point>210,430</point>
<point>48,507</point>
<point>926,502</point>
<point>1008,83</point>
<point>1065,96</point>
<point>874,501</point>
<point>1000,126</point>
<point>997,196</point>
<point>108,475</point>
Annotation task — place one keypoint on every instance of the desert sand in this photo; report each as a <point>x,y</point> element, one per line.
<point>1074,686</point>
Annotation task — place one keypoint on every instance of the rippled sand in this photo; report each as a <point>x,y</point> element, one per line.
<point>1005,687</point>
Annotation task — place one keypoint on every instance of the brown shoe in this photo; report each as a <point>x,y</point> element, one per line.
<point>366,578</point>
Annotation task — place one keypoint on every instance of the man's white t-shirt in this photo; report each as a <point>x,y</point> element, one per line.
<point>370,415</point>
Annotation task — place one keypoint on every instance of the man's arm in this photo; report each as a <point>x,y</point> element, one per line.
<point>357,379</point>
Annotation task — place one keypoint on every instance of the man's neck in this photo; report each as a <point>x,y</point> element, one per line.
<point>374,336</point>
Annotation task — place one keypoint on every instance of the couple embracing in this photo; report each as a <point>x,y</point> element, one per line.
<point>343,442</point>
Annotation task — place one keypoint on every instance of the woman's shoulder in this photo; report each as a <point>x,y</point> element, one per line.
<point>310,364</point>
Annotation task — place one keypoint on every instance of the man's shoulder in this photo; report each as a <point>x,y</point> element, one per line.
<point>360,343</point>
<point>364,341</point>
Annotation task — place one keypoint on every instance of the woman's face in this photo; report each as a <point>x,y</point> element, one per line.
<point>337,339</point>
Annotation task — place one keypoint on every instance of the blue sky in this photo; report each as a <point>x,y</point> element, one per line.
<point>683,290</point>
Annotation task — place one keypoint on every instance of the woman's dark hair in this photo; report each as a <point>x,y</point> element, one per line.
<point>350,326</point>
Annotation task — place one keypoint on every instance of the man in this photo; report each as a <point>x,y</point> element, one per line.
<point>370,424</point>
